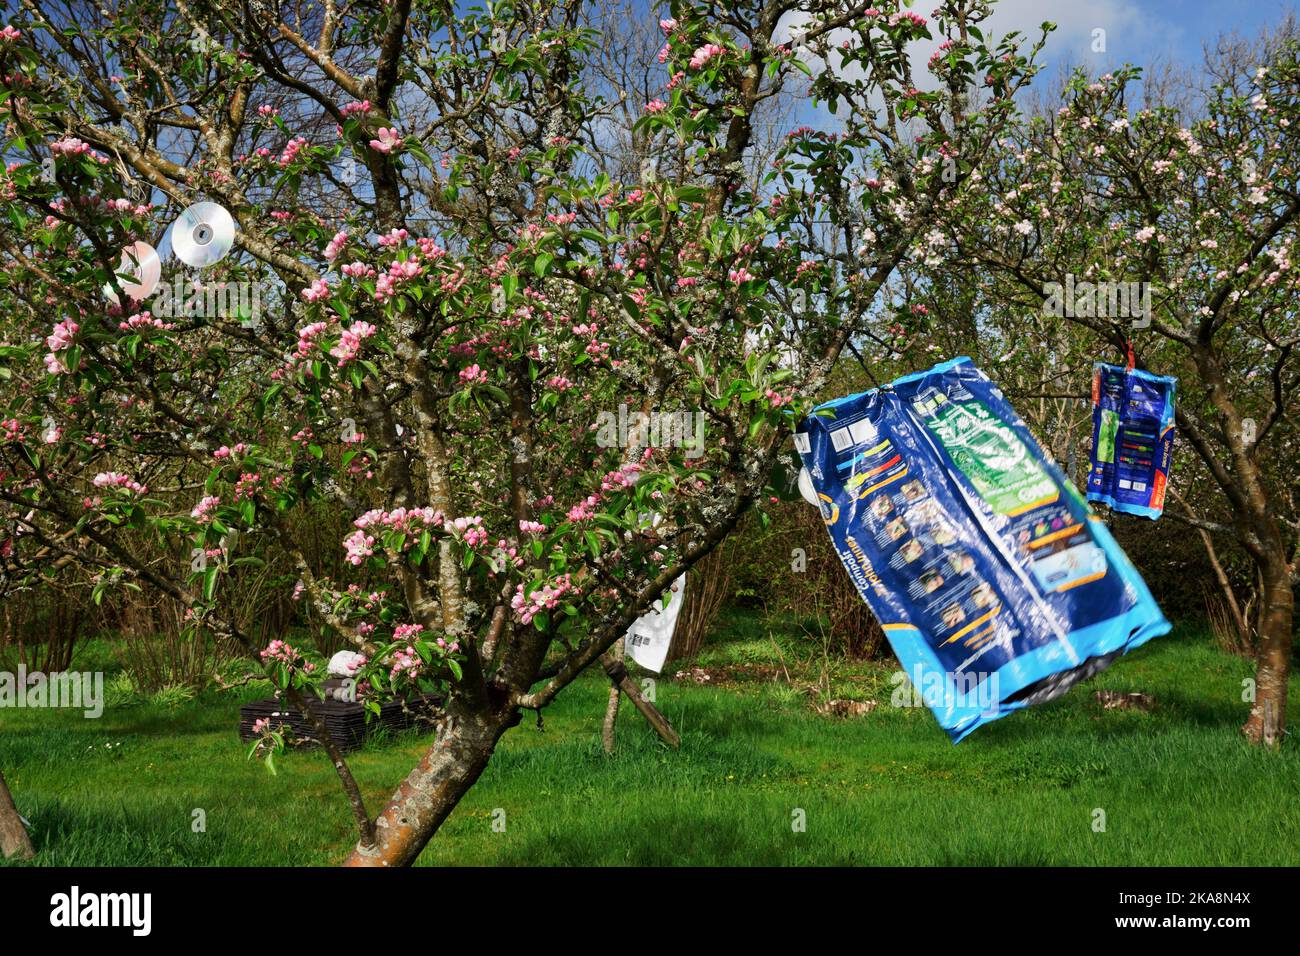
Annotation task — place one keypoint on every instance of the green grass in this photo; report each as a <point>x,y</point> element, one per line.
<point>1178,785</point>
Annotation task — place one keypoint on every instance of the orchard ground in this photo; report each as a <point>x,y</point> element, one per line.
<point>1178,785</point>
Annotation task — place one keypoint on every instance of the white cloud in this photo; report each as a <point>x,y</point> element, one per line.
<point>1130,34</point>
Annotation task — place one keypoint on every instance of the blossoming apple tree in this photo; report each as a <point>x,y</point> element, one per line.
<point>451,287</point>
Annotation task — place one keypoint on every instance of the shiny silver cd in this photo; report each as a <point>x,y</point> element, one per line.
<point>137,273</point>
<point>203,234</point>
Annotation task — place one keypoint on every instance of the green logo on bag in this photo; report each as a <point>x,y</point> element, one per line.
<point>990,455</point>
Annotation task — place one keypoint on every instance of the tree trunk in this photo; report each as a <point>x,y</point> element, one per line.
<point>1273,664</point>
<point>431,791</point>
<point>1260,534</point>
<point>14,841</point>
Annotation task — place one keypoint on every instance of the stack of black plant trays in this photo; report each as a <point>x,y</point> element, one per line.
<point>344,718</point>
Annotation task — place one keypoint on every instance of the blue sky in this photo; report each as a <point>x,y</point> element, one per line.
<point>1137,31</point>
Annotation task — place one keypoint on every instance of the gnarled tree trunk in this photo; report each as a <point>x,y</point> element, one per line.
<point>1267,720</point>
<point>464,744</point>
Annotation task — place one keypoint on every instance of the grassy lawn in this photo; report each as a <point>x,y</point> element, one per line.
<point>1178,785</point>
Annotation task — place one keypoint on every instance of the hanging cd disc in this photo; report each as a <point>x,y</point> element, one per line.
<point>141,264</point>
<point>203,234</point>
<point>806,487</point>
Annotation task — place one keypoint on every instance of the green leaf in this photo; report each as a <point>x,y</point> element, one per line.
<point>30,456</point>
<point>633,309</point>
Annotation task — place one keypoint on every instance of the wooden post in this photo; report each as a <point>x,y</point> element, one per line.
<point>621,680</point>
<point>611,709</point>
<point>14,841</point>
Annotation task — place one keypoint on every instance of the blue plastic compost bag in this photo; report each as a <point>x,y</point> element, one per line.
<point>1132,439</point>
<point>995,584</point>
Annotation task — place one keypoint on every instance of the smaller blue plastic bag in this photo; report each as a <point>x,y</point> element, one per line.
<point>995,584</point>
<point>1132,439</point>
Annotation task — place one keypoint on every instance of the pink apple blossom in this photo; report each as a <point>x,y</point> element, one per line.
<point>704,54</point>
<point>336,245</point>
<point>350,342</point>
<point>359,546</point>
<point>317,291</point>
<point>387,141</point>
<point>113,479</point>
<point>202,512</point>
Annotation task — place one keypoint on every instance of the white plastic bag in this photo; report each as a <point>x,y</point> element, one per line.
<point>647,641</point>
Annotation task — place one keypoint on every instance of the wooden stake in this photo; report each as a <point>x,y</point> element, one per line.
<point>622,681</point>
<point>611,709</point>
